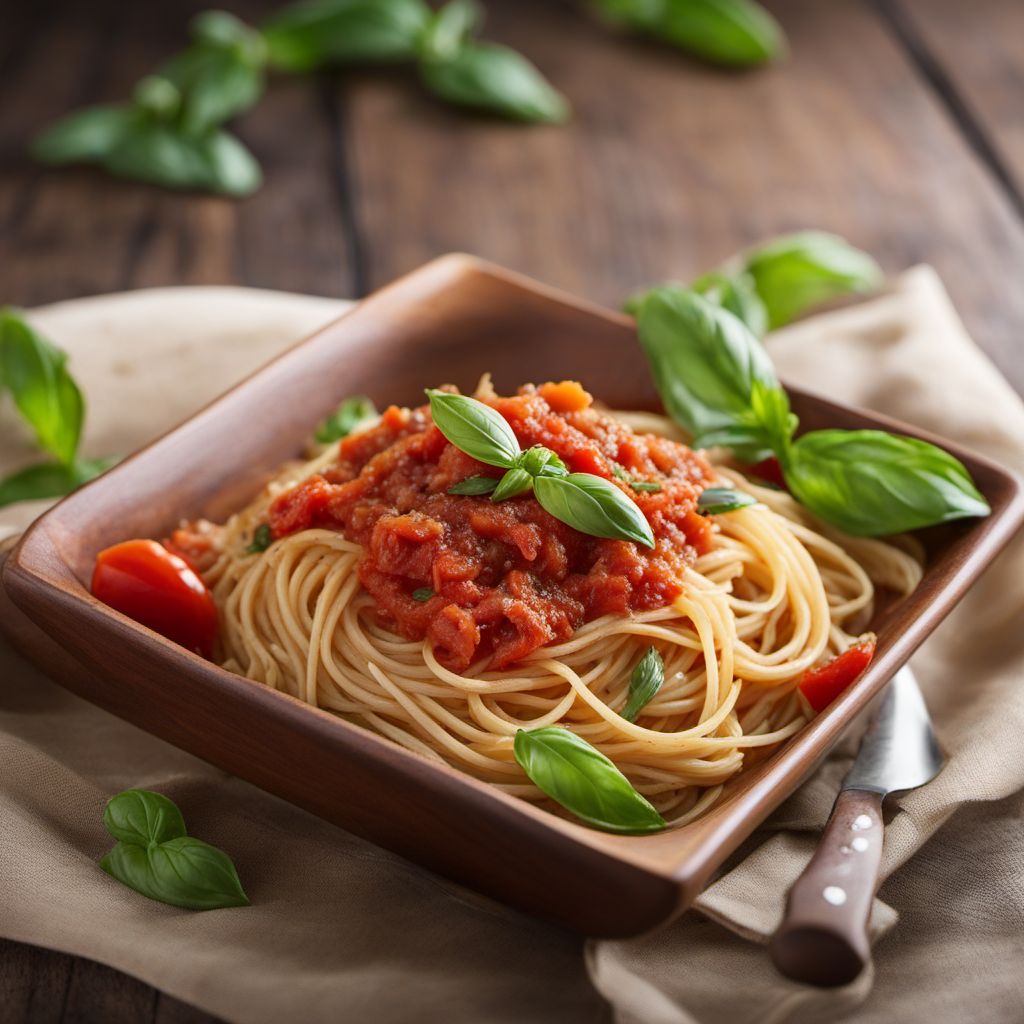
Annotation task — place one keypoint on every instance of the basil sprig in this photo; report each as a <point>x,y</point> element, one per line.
<point>36,375</point>
<point>717,382</point>
<point>579,777</point>
<point>647,679</point>
<point>585,502</point>
<point>353,411</point>
<point>732,32</point>
<point>715,501</point>
<point>156,857</point>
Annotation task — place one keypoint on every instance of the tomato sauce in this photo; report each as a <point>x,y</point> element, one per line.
<point>505,578</point>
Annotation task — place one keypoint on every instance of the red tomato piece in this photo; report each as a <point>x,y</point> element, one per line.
<point>151,585</point>
<point>822,685</point>
<point>768,470</point>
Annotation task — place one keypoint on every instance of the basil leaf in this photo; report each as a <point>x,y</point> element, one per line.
<point>309,35</point>
<point>705,361</point>
<point>448,29</point>
<point>86,135</point>
<point>474,428</point>
<point>44,392</point>
<point>345,419</point>
<point>732,32</point>
<point>474,485</point>
<point>141,816</point>
<point>798,271</point>
<point>737,294</point>
<point>50,480</point>
<point>644,683</point>
<point>538,459</point>
<point>422,594</point>
<point>495,79</point>
<point>643,485</point>
<point>715,501</point>
<point>183,872</point>
<point>262,538</point>
<point>515,482</point>
<point>223,29</point>
<point>215,84</point>
<point>870,483</point>
<point>580,778</point>
<point>594,506</point>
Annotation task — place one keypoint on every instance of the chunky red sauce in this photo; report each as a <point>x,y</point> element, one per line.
<point>506,577</point>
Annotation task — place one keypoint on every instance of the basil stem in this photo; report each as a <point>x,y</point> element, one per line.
<point>155,856</point>
<point>579,777</point>
<point>352,412</point>
<point>474,428</point>
<point>870,483</point>
<point>715,501</point>
<point>594,506</point>
<point>474,485</point>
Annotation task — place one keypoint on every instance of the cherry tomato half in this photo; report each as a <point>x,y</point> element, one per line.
<point>149,584</point>
<point>823,684</point>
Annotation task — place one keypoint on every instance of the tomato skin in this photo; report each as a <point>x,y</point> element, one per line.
<point>157,588</point>
<point>824,684</point>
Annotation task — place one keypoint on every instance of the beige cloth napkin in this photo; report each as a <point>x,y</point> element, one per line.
<point>341,930</point>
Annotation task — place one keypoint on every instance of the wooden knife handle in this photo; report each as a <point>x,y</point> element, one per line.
<point>823,938</point>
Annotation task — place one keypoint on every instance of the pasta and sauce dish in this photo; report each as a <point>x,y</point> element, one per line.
<point>566,601</point>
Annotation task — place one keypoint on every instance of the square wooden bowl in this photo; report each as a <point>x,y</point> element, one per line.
<point>447,322</point>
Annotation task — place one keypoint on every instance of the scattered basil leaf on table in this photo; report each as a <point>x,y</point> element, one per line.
<point>715,501</point>
<point>474,485</point>
<point>85,136</point>
<point>448,29</point>
<point>579,777</point>
<point>868,482</point>
<point>422,594</point>
<point>262,538</point>
<point>474,428</point>
<point>494,78</point>
<point>155,856</point>
<point>732,32</point>
<point>594,506</point>
<point>646,680</point>
<point>345,419</point>
<point>309,35</point>
<point>50,480</point>
<point>796,272</point>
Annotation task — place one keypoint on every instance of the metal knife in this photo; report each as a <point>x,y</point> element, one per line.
<point>823,937</point>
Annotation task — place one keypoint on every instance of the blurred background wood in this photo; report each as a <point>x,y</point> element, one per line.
<point>898,123</point>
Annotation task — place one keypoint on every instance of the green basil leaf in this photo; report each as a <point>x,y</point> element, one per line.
<point>84,136</point>
<point>644,683</point>
<point>141,816</point>
<point>870,483</point>
<point>796,272</point>
<point>313,33</point>
<point>516,481</point>
<point>157,96</point>
<point>704,360</point>
<point>223,29</point>
<point>580,778</point>
<point>748,443</point>
<point>216,84</point>
<point>44,392</point>
<point>715,501</point>
<point>262,538</point>
<point>736,293</point>
<point>495,79</point>
<point>449,28</point>
<point>646,485</point>
<point>50,480</point>
<point>474,485</point>
<point>474,428</point>
<point>594,506</point>
<point>345,419</point>
<point>537,459</point>
<point>422,594</point>
<point>183,872</point>
<point>230,167</point>
<point>732,32</point>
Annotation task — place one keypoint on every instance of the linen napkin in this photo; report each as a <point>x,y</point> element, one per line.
<point>339,929</point>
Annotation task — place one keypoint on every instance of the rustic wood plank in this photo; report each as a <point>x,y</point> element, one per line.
<point>33,984</point>
<point>73,232</point>
<point>668,165</point>
<point>978,54</point>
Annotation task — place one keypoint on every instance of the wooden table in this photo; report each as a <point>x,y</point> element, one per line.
<point>898,124</point>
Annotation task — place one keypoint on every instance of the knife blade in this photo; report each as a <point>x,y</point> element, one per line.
<point>823,937</point>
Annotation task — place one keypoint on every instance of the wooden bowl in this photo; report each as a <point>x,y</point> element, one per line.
<point>447,322</point>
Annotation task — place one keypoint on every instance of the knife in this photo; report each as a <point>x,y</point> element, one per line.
<point>823,938</point>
